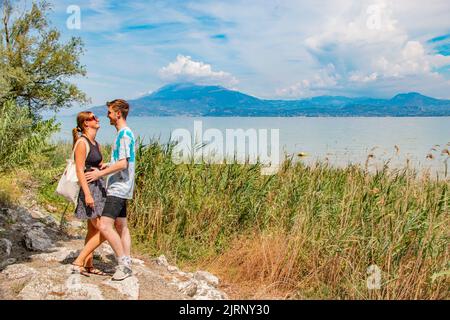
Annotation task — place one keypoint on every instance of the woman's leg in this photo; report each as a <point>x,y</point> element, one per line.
<point>93,240</point>
<point>92,231</point>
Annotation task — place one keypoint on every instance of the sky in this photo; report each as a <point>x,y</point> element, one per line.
<point>274,49</point>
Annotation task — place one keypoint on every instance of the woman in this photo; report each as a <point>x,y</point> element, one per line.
<point>92,195</point>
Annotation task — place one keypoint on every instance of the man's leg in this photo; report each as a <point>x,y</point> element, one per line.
<point>106,228</point>
<point>124,232</point>
<point>114,207</point>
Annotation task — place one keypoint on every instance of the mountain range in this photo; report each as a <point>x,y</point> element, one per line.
<point>188,99</point>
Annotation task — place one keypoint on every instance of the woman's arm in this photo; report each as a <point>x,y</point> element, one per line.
<point>80,162</point>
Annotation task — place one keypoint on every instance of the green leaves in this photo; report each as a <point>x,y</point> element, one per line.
<point>35,66</point>
<point>21,136</point>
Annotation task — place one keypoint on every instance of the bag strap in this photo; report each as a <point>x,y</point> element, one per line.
<point>75,147</point>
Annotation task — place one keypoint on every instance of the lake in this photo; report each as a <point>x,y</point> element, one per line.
<point>339,140</point>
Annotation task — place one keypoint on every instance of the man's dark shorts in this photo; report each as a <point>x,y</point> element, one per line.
<point>115,208</point>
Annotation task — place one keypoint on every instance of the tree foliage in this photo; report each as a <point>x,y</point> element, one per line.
<point>35,65</point>
<point>21,136</point>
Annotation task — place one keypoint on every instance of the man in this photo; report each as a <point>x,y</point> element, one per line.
<point>119,188</point>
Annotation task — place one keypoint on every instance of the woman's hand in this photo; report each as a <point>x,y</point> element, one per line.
<point>89,201</point>
<point>103,166</point>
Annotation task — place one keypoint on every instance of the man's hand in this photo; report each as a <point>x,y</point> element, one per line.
<point>92,176</point>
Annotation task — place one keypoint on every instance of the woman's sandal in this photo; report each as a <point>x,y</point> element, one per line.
<point>94,270</point>
<point>77,269</point>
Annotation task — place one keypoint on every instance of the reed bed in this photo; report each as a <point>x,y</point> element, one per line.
<point>312,231</point>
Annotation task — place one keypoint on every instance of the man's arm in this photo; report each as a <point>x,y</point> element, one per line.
<point>97,174</point>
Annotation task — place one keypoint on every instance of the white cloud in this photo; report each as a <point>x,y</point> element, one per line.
<point>413,60</point>
<point>377,48</point>
<point>368,46</point>
<point>325,79</point>
<point>358,77</point>
<point>186,69</point>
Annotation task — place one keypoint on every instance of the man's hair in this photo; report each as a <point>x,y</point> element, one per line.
<point>120,105</point>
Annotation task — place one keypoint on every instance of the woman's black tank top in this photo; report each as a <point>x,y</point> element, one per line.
<point>94,157</point>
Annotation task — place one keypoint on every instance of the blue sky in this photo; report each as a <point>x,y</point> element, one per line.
<point>269,49</point>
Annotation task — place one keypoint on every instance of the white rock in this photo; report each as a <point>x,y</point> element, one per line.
<point>36,214</point>
<point>107,253</point>
<point>37,240</point>
<point>138,262</point>
<point>5,247</point>
<point>75,289</point>
<point>207,277</point>
<point>18,271</point>
<point>172,269</point>
<point>206,292</point>
<point>53,285</point>
<point>128,287</point>
<point>188,288</point>
<point>162,261</point>
<point>106,249</point>
<point>60,255</point>
<point>76,224</point>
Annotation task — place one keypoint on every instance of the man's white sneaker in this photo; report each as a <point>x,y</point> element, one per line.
<point>122,272</point>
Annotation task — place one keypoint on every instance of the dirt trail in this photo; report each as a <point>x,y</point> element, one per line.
<point>36,256</point>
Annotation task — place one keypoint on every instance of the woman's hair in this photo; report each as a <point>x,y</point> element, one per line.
<point>81,118</point>
<point>119,105</point>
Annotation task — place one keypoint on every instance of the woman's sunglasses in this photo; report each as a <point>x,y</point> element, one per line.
<point>93,117</point>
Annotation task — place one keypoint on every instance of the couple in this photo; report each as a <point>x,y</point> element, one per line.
<point>104,206</point>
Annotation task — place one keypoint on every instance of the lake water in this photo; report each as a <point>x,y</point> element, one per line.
<point>340,141</point>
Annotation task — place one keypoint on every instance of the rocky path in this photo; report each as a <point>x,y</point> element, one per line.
<point>35,263</point>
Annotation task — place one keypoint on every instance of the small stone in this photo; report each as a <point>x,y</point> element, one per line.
<point>36,214</point>
<point>207,277</point>
<point>188,288</point>
<point>51,208</point>
<point>206,292</point>
<point>50,221</point>
<point>162,261</point>
<point>5,247</point>
<point>38,226</point>
<point>106,249</point>
<point>7,262</point>
<point>37,240</point>
<point>12,215</point>
<point>138,262</point>
<point>24,216</point>
<point>172,269</point>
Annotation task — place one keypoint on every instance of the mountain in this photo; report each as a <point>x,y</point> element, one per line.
<point>188,99</point>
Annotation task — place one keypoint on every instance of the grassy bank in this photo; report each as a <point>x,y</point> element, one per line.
<point>309,232</point>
